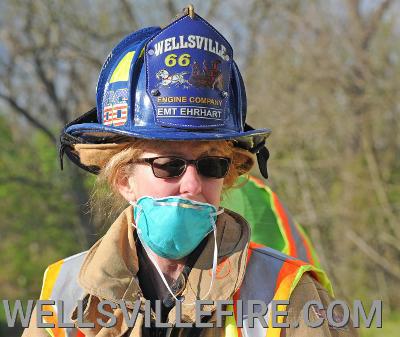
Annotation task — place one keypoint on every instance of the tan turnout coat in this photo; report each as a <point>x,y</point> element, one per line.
<point>109,270</point>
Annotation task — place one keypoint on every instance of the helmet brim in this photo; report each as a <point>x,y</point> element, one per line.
<point>91,131</point>
<point>88,131</point>
<point>85,132</point>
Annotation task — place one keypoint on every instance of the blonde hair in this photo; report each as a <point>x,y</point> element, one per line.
<point>106,200</point>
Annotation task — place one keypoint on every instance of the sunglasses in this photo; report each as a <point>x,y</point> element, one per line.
<point>173,167</point>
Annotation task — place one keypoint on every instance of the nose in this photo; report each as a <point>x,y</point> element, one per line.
<point>190,182</point>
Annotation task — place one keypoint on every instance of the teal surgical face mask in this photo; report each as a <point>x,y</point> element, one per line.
<point>172,227</point>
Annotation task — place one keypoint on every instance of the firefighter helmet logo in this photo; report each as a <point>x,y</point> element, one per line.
<point>208,77</point>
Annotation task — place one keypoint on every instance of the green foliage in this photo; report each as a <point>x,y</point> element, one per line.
<point>37,217</point>
<point>390,327</point>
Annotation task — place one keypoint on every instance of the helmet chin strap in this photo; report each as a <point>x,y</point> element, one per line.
<point>214,266</point>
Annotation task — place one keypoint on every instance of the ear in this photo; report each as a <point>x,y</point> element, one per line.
<point>125,186</point>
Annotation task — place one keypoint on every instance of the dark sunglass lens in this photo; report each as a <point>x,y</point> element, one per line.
<point>213,167</point>
<point>166,167</point>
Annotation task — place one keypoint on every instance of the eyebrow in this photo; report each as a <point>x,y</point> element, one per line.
<point>211,150</point>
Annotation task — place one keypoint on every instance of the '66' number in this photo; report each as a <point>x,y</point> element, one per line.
<point>183,60</point>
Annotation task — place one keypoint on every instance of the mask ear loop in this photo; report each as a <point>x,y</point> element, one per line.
<point>215,256</point>
<point>134,204</point>
<point>215,259</point>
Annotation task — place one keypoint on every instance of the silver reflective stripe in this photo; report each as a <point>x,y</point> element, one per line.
<point>67,289</point>
<point>260,284</point>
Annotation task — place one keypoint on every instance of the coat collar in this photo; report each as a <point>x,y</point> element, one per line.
<point>110,268</point>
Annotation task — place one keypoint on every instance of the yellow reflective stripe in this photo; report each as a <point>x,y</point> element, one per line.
<point>50,332</point>
<point>292,277</point>
<point>121,72</point>
<point>230,324</point>
<point>49,279</point>
<point>56,331</point>
<point>321,277</point>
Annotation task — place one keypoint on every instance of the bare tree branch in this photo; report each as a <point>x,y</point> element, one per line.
<point>96,62</point>
<point>212,9</point>
<point>171,8</point>
<point>127,9</point>
<point>309,206</point>
<point>258,12</point>
<point>373,23</point>
<point>379,186</point>
<point>379,260</point>
<point>354,10</point>
<point>390,240</point>
<point>33,121</point>
<point>44,78</point>
<point>51,90</point>
<point>94,34</point>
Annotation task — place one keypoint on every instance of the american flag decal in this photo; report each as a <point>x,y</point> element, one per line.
<point>116,114</point>
<point>108,115</point>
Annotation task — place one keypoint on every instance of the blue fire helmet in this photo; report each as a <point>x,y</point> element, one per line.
<point>176,83</point>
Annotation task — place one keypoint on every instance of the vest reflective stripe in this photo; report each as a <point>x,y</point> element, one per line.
<point>60,283</point>
<point>270,275</point>
<point>231,329</point>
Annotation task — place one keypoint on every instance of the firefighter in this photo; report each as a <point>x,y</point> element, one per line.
<point>174,245</point>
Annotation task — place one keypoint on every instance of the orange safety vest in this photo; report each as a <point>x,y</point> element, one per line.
<point>270,275</point>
